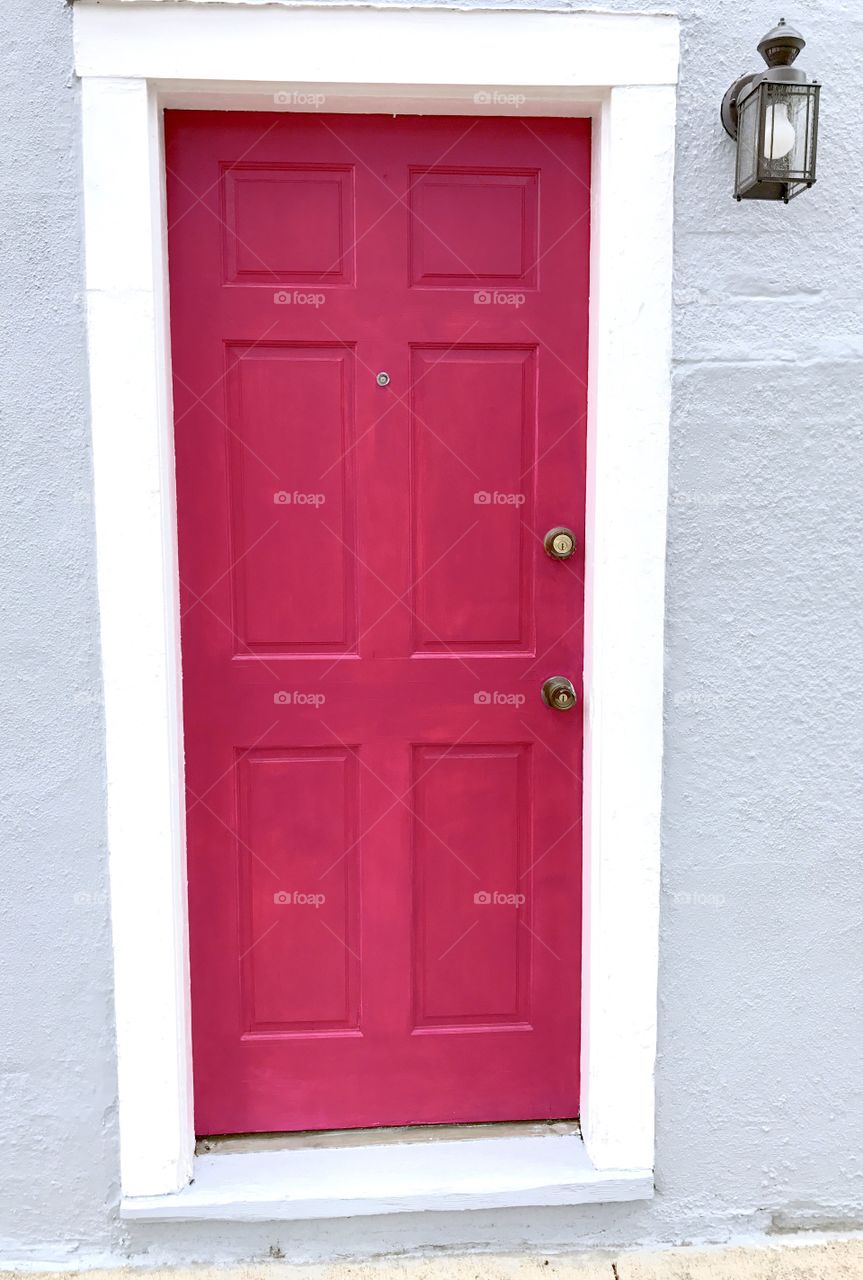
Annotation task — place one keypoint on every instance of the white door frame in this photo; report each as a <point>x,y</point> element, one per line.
<point>621,71</point>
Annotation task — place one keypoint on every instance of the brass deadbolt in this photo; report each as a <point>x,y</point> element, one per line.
<point>559,693</point>
<point>559,543</point>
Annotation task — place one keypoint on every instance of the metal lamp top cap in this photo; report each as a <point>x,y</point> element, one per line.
<point>781,45</point>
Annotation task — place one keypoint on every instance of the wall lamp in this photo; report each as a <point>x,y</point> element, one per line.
<point>773,114</point>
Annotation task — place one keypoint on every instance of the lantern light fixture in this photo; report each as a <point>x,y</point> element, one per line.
<point>773,115</point>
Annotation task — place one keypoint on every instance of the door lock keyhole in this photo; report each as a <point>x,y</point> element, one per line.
<point>559,543</point>
<point>559,693</point>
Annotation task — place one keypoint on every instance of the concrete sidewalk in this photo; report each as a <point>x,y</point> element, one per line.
<point>838,1258</point>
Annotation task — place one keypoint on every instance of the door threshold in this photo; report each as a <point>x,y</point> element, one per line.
<point>293,1177</point>
<point>244,1143</point>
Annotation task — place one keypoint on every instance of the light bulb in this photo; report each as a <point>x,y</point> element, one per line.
<point>779,135</point>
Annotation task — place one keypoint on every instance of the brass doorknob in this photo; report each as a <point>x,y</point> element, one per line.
<point>559,693</point>
<point>559,543</point>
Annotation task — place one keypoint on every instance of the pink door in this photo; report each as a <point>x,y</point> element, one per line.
<point>379,351</point>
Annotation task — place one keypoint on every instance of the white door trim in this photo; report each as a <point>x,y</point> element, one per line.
<point>620,70</point>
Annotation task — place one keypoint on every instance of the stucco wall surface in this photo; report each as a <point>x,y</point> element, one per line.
<point>760,1086</point>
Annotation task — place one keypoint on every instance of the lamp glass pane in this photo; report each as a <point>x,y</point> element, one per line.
<point>788,148</point>
<point>747,140</point>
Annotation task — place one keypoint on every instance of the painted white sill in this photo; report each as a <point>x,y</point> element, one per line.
<point>346,1182</point>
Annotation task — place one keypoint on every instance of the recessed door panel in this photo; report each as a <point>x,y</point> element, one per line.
<point>474,436</point>
<point>297,817</point>
<point>472,966</point>
<point>286,224</point>
<point>290,469</point>
<point>474,228</point>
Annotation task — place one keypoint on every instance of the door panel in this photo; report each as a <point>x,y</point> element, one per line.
<point>468,802</point>
<point>474,420</point>
<point>272,540</point>
<point>286,224</point>
<point>297,815</point>
<point>383,817</point>
<point>453,212</point>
